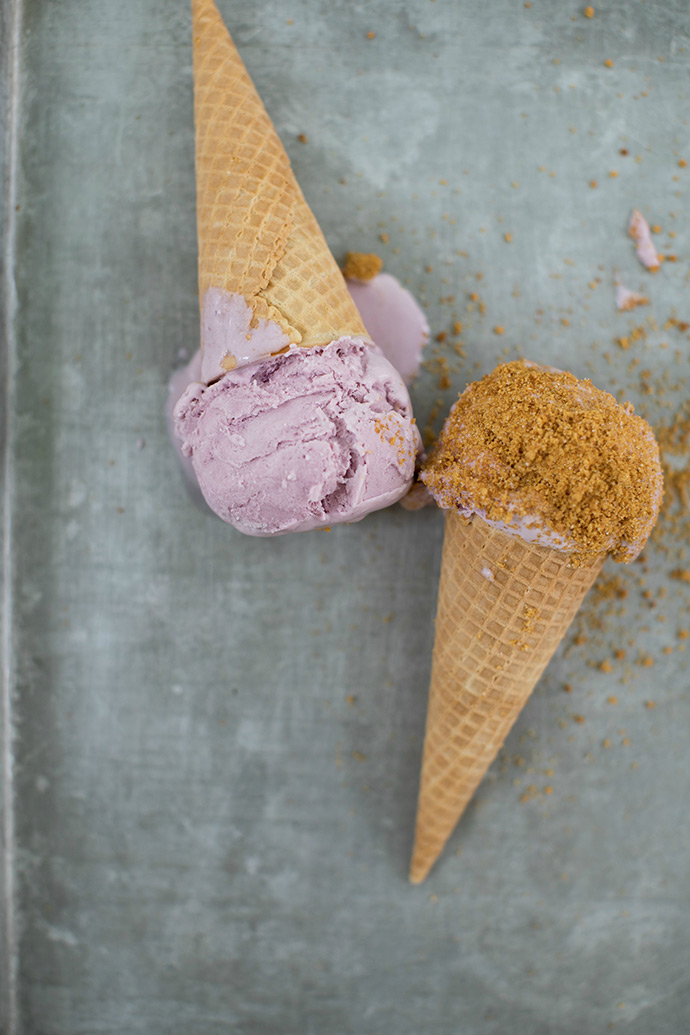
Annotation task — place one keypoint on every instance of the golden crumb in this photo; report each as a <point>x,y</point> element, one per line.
<point>371,35</point>
<point>612,700</point>
<point>682,163</point>
<point>606,666</point>
<point>362,265</point>
<point>529,619</point>
<point>593,184</point>
<point>650,704</point>
<point>613,173</point>
<point>507,238</point>
<point>588,12</point>
<point>498,329</point>
<point>302,137</point>
<point>608,63</point>
<point>457,327</point>
<point>384,238</point>
<point>229,362</point>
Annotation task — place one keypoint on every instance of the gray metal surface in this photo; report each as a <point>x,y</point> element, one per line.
<point>216,740</point>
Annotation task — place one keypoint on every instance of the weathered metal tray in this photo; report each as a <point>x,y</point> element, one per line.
<point>211,744</point>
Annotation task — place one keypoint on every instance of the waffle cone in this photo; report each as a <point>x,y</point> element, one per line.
<point>257,235</point>
<point>503,607</point>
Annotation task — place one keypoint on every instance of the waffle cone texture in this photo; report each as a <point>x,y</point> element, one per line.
<point>504,606</point>
<point>257,235</point>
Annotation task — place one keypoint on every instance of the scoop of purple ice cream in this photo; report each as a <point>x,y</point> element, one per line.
<point>309,438</point>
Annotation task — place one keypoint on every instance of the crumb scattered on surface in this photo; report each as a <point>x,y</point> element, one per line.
<point>627,300</point>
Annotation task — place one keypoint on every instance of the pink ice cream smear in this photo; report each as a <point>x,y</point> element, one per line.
<point>393,319</point>
<point>638,228</point>
<point>627,299</point>
<point>303,440</point>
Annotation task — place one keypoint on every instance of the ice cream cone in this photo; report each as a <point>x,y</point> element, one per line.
<point>257,236</point>
<point>504,605</point>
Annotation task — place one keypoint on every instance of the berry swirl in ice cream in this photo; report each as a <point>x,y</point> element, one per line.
<point>551,458</point>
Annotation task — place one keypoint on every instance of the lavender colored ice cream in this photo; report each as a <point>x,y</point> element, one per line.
<point>305,439</point>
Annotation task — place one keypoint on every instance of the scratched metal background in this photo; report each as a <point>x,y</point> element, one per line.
<point>211,744</point>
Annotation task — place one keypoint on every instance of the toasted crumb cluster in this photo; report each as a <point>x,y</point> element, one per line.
<point>528,442</point>
<point>362,265</point>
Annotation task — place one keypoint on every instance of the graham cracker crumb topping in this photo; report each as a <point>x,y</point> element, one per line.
<point>536,443</point>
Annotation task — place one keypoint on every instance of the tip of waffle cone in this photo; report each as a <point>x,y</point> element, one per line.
<point>422,862</point>
<point>418,873</point>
